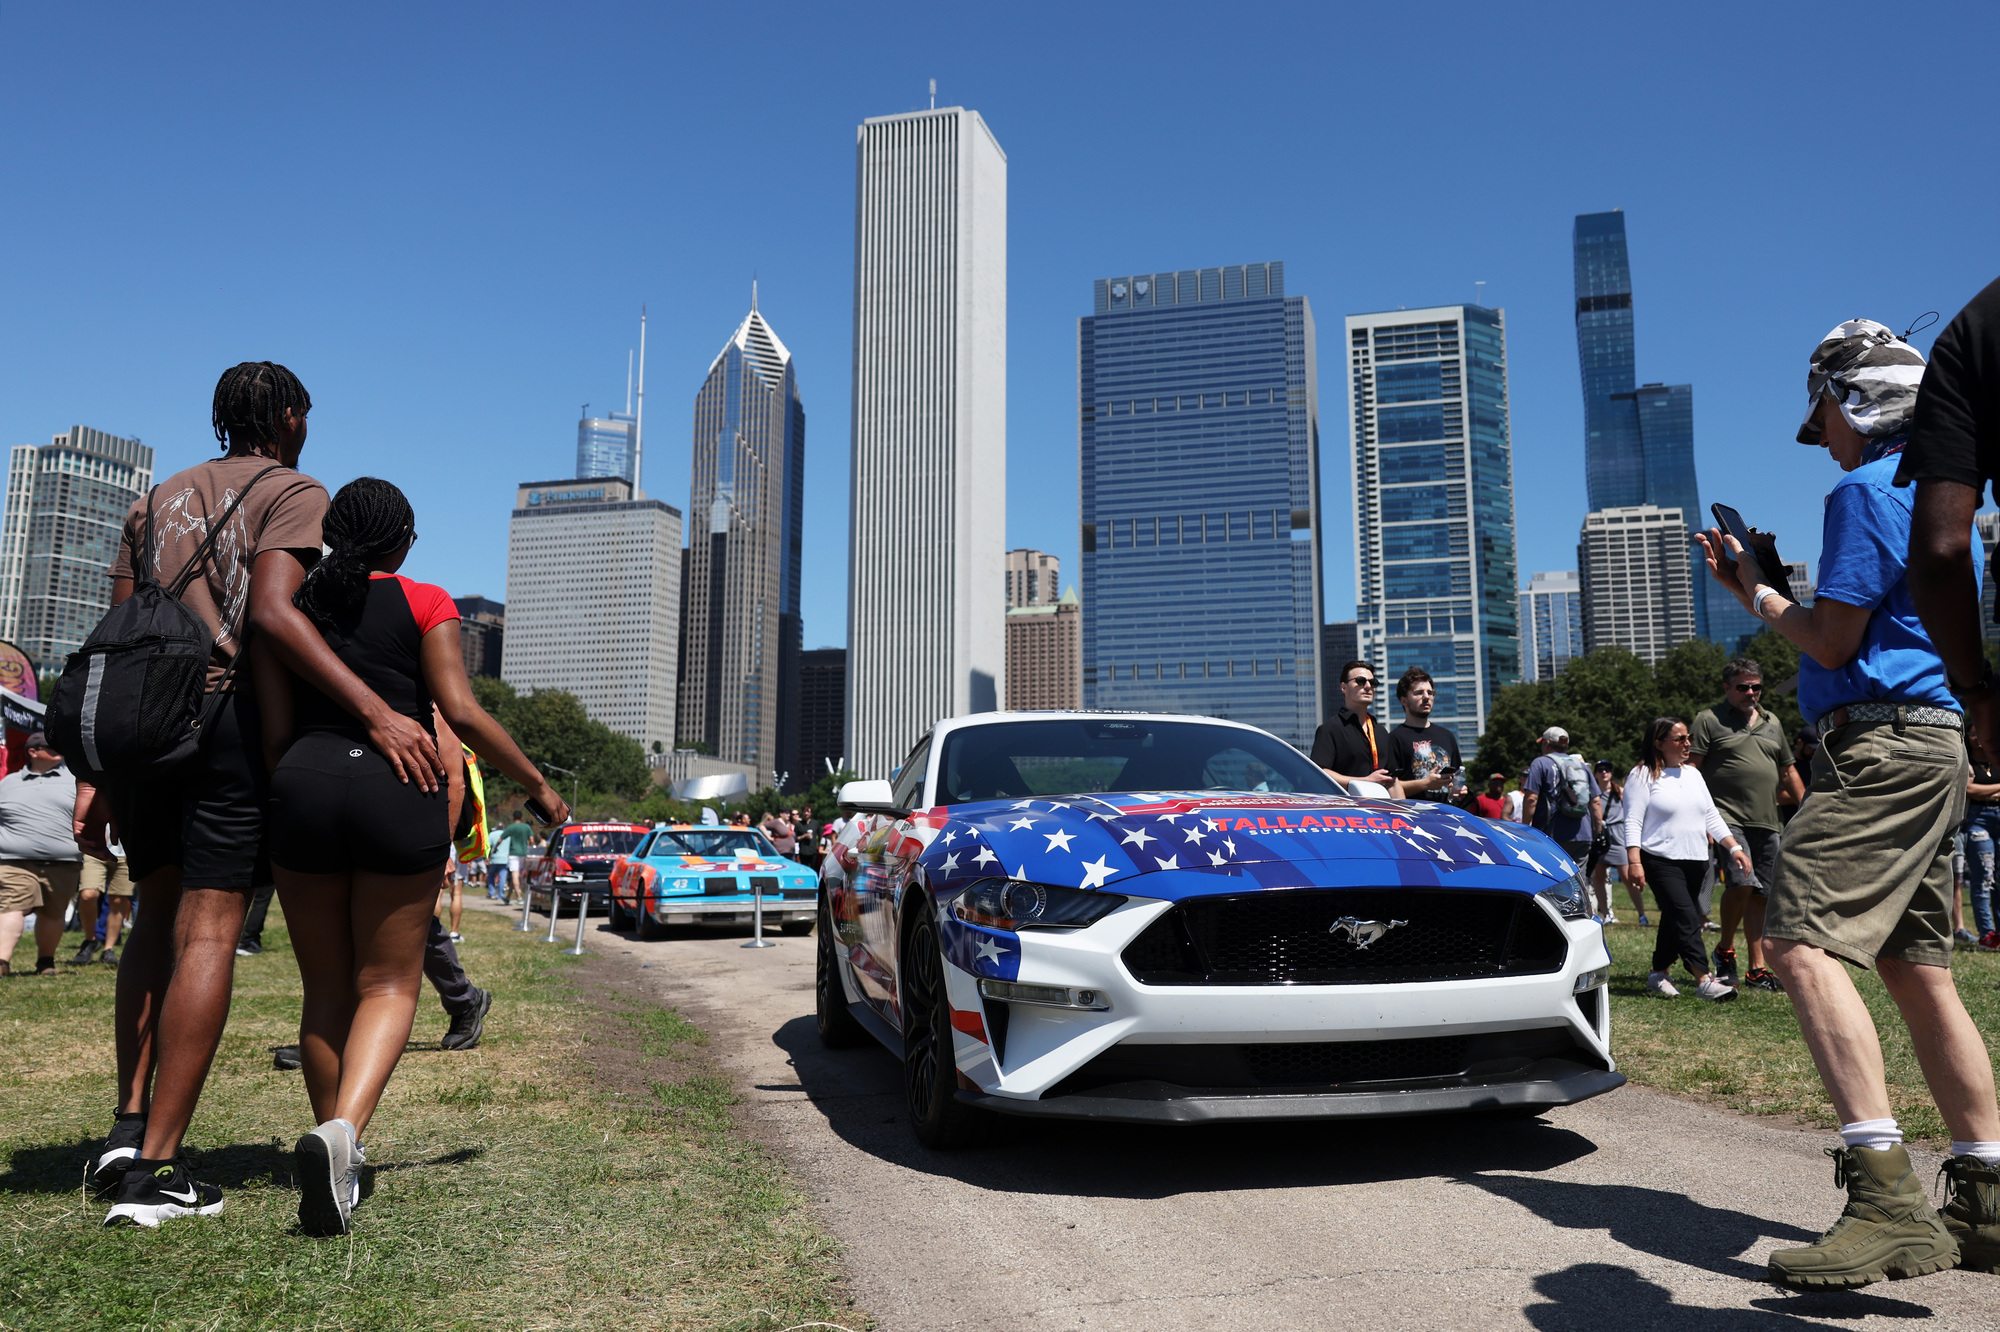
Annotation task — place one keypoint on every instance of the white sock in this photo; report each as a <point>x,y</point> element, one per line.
<point>1987,1152</point>
<point>1877,1135</point>
<point>351,1136</point>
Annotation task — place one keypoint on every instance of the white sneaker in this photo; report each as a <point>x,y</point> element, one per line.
<point>1610,918</point>
<point>456,937</point>
<point>1657,983</point>
<point>1715,990</point>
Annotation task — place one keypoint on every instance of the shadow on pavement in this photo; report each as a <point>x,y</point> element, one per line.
<point>1595,1297</point>
<point>1664,1224</point>
<point>860,1094</point>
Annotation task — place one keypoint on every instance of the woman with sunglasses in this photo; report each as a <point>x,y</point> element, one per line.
<point>1669,820</point>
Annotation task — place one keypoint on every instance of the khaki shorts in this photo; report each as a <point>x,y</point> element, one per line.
<point>1865,872</point>
<point>37,885</point>
<point>99,877</point>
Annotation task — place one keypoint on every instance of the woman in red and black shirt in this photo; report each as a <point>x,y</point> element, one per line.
<point>356,852</point>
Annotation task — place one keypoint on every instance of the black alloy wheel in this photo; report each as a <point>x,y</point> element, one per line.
<point>930,1073</point>
<point>838,1027</point>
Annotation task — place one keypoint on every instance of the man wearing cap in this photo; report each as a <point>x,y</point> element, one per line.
<point>1864,877</point>
<point>1492,802</point>
<point>39,859</point>
<point>1550,800</point>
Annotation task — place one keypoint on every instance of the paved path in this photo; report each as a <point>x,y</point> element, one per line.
<point>1635,1210</point>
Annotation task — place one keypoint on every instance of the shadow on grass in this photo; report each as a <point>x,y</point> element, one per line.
<point>59,1167</point>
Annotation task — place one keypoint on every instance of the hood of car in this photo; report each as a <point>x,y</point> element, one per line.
<point>724,865</point>
<point>1197,843</point>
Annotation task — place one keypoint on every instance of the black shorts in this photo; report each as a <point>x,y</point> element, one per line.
<point>208,821</point>
<point>337,805</point>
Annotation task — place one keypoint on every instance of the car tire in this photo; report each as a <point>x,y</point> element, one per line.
<point>616,917</point>
<point>795,929</point>
<point>650,929</point>
<point>930,1073</point>
<point>838,1028</point>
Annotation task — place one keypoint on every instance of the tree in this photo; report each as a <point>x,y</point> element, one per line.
<point>553,730</point>
<point>1780,660</point>
<point>1603,700</point>
<point>1689,678</point>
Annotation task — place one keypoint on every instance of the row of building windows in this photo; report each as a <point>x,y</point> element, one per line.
<point>1202,670</point>
<point>1192,402</point>
<point>1198,529</point>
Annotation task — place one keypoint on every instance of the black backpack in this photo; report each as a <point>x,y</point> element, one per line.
<point>133,703</point>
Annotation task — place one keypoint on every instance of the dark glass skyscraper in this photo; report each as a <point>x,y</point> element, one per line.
<point>1199,444</point>
<point>1638,439</point>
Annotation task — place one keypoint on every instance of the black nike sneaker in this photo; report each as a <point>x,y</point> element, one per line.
<point>1725,965</point>
<point>156,1191</point>
<point>463,1033</point>
<point>1760,978</point>
<point>121,1148</point>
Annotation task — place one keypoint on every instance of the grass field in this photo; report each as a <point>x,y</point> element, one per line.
<point>580,1169</point>
<point>1748,1054</point>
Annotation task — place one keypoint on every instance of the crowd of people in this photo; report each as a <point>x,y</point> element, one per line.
<point>1845,847</point>
<point>318,756</point>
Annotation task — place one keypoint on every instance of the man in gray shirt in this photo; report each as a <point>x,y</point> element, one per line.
<point>39,858</point>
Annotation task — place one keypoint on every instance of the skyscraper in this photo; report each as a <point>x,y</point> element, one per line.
<point>1638,439</point>
<point>1551,624</point>
<point>604,445</point>
<point>1043,642</point>
<point>66,504</point>
<point>482,635</point>
<point>1033,578</point>
<point>1434,580</point>
<point>739,689</point>
<point>1199,400</point>
<point>1637,587</point>
<point>822,714</point>
<point>926,629</point>
<point>593,601</point>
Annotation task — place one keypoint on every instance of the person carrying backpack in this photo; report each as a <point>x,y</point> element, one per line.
<point>173,756</point>
<point>1561,797</point>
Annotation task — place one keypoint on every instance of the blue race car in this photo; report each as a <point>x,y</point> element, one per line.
<point>694,874</point>
<point>1173,919</point>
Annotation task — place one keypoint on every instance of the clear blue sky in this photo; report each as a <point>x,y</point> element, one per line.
<point>445,218</point>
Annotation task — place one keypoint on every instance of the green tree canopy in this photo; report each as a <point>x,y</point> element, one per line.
<point>553,730</point>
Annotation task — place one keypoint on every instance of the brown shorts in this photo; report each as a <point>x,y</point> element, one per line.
<point>37,885</point>
<point>99,877</point>
<point>1865,872</point>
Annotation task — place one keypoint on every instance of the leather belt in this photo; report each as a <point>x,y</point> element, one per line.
<point>1902,714</point>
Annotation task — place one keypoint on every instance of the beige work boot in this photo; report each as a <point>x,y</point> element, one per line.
<point>1887,1231</point>
<point>1972,1214</point>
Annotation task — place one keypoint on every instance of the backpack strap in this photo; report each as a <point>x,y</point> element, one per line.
<point>207,547</point>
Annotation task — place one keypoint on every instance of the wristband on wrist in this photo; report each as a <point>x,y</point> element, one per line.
<point>1757,602</point>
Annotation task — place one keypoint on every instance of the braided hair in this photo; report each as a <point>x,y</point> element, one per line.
<point>368,519</point>
<point>251,400</point>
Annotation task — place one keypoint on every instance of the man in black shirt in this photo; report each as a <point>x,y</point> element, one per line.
<point>1351,745</point>
<point>1426,756</point>
<point>1953,452</point>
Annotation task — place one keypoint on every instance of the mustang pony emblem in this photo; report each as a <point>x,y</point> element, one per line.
<point>1360,932</point>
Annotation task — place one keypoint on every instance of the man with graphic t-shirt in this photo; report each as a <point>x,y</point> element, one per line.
<point>1560,796</point>
<point>1426,756</point>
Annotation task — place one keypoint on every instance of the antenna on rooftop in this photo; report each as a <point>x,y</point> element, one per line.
<point>628,381</point>
<point>1479,296</point>
<point>586,411</point>
<point>753,293</point>
<point>933,94</point>
<point>639,419</point>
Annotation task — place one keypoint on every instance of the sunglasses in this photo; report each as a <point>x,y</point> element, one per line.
<point>1360,682</point>
<point>1748,689</point>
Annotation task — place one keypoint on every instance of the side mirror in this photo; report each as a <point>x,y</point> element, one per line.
<point>1367,790</point>
<point>873,797</point>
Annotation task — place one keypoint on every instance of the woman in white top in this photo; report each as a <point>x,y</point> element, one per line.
<point>1669,819</point>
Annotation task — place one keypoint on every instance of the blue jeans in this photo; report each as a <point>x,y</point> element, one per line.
<point>1982,833</point>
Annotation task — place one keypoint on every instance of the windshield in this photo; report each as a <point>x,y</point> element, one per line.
<point>722,842</point>
<point>601,842</point>
<point>1038,758</point>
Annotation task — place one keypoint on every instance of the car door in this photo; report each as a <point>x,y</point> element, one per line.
<point>877,880</point>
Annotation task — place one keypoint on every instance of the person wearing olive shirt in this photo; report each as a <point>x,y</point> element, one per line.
<point>1351,746</point>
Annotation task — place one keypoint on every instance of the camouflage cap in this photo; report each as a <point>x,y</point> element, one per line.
<point>1871,372</point>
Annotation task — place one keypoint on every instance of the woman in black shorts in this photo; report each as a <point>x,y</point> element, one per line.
<point>355,851</point>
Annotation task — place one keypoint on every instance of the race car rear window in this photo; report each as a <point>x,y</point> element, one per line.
<point>601,842</point>
<point>1082,756</point>
<point>716,842</point>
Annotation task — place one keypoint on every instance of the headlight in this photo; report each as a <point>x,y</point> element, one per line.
<point>1570,898</point>
<point>1012,904</point>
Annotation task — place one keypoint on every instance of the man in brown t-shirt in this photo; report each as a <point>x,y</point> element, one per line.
<point>195,844</point>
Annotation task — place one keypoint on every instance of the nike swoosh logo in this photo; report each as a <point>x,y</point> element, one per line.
<point>187,1197</point>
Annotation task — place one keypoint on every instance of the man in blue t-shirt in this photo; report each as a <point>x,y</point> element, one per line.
<point>1864,877</point>
<point>1548,793</point>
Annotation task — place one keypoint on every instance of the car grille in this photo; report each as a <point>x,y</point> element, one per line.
<point>1285,938</point>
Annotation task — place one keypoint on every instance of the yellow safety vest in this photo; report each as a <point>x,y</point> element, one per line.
<point>472,847</point>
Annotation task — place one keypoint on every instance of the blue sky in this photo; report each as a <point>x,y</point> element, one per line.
<point>446,217</point>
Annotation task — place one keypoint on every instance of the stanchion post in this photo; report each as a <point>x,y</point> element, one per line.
<point>555,909</point>
<point>582,910</point>
<point>524,926</point>
<point>757,939</point>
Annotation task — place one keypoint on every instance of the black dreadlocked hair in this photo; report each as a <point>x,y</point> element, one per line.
<point>368,518</point>
<point>251,400</point>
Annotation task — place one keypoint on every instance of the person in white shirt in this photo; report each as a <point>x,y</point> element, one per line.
<point>1669,821</point>
<point>1514,806</point>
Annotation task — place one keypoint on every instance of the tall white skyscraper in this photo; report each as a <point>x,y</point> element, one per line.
<point>926,616</point>
<point>1551,624</point>
<point>594,601</point>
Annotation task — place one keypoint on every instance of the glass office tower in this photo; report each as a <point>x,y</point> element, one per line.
<point>1199,443</point>
<point>604,446</point>
<point>1434,505</point>
<point>1638,439</point>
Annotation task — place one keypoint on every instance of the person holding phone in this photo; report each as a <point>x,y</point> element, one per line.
<point>357,854</point>
<point>1864,876</point>
<point>1427,761</point>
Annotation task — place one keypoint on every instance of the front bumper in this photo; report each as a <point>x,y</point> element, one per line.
<point>731,911</point>
<point>1546,1083</point>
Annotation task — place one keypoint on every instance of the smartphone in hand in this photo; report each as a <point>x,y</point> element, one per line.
<point>540,812</point>
<point>1766,559</point>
